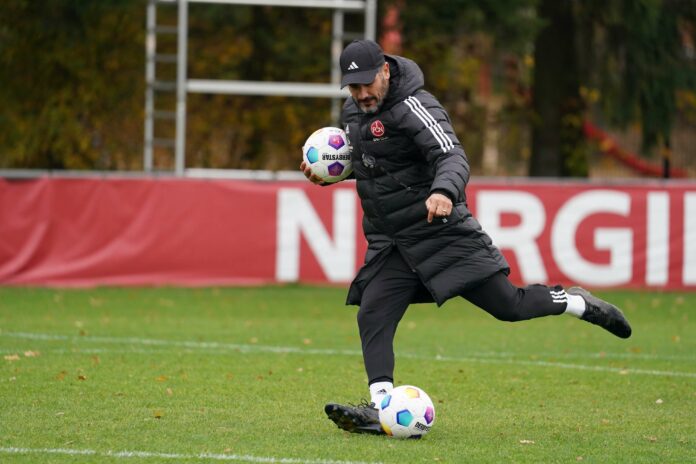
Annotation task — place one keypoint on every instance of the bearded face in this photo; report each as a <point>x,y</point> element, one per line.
<point>369,97</point>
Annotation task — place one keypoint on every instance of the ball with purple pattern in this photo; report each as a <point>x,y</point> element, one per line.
<point>327,154</point>
<point>406,411</point>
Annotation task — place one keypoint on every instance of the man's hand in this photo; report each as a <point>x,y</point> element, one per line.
<point>438,205</point>
<point>313,178</point>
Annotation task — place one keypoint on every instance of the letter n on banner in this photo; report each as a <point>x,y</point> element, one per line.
<point>297,218</point>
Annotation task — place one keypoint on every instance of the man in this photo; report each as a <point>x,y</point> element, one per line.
<point>423,243</point>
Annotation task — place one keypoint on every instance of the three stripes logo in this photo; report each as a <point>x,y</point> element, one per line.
<point>429,121</point>
<point>352,66</point>
<point>559,296</point>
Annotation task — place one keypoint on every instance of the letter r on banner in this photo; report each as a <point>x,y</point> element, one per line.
<point>297,217</point>
<point>521,239</point>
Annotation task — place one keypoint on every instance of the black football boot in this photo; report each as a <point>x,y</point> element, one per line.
<point>603,314</point>
<point>363,418</point>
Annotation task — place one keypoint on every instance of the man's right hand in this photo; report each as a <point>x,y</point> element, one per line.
<point>313,178</point>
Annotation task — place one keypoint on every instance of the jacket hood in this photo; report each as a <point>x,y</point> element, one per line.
<point>405,78</point>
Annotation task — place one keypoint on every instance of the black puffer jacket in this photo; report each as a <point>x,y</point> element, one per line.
<point>402,154</point>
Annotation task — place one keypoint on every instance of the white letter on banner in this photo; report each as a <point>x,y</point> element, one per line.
<point>619,242</point>
<point>689,238</point>
<point>296,216</point>
<point>521,239</point>
<point>657,252</point>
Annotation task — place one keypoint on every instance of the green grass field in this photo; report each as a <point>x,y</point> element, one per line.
<point>242,374</point>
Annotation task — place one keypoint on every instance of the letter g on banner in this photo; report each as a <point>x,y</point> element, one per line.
<point>618,241</point>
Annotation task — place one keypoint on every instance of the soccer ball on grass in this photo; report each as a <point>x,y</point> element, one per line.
<point>406,412</point>
<point>327,153</point>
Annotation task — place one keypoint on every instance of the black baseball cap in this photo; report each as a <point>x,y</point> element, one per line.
<point>360,61</point>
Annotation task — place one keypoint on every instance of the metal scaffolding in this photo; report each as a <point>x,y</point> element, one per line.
<point>183,85</point>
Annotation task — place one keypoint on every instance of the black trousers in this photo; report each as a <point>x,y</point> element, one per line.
<point>389,294</point>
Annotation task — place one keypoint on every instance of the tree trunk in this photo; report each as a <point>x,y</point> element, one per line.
<point>557,142</point>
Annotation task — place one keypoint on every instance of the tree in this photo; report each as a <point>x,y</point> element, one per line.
<point>70,71</point>
<point>557,140</point>
<point>632,51</point>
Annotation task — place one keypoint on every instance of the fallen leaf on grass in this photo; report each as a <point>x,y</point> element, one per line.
<point>11,357</point>
<point>527,442</point>
<point>651,438</point>
<point>158,414</point>
<point>169,392</point>
<point>659,401</point>
<point>61,375</point>
<point>31,354</point>
<point>81,377</point>
<point>162,378</point>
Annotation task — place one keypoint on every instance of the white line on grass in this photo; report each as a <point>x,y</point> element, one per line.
<point>241,348</point>
<point>522,362</point>
<point>186,457</point>
<point>276,349</point>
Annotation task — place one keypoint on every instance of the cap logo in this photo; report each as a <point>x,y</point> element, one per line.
<point>377,128</point>
<point>360,61</point>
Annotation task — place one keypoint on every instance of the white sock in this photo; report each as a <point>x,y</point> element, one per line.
<point>379,390</point>
<point>576,305</point>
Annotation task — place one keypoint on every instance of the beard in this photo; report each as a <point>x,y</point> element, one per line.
<point>378,99</point>
<point>372,109</point>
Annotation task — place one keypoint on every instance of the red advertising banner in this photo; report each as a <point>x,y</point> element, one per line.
<point>109,231</point>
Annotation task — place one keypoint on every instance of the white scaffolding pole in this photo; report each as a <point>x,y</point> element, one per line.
<point>371,19</point>
<point>150,49</point>
<point>182,62</point>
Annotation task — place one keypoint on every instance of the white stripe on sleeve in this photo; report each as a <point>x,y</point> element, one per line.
<point>428,121</point>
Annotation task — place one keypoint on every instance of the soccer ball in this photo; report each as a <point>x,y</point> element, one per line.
<point>406,412</point>
<point>327,153</point>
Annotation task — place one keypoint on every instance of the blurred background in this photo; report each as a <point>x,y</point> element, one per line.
<point>534,87</point>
